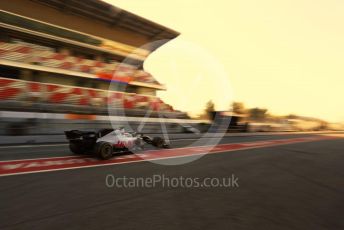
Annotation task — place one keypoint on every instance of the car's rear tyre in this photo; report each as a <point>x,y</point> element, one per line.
<point>76,148</point>
<point>158,142</point>
<point>104,150</point>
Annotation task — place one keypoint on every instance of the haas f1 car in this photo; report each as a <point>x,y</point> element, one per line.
<point>105,142</point>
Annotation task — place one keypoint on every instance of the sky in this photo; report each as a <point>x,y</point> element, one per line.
<point>286,56</point>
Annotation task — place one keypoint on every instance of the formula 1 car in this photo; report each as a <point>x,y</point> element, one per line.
<point>105,142</point>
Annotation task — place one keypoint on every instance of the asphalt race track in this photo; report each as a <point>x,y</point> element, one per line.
<point>284,182</point>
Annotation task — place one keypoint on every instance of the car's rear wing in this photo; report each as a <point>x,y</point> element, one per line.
<point>77,134</point>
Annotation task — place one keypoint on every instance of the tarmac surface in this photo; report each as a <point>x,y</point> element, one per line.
<point>286,186</point>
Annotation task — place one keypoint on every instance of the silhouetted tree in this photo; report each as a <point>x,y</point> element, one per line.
<point>258,113</point>
<point>210,110</point>
<point>238,108</point>
<point>210,107</point>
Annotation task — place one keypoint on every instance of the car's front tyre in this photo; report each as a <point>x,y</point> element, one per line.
<point>158,142</point>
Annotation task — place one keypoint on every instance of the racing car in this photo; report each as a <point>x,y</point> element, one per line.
<point>105,142</point>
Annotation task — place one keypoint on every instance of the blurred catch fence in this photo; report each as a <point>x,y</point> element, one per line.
<point>29,123</point>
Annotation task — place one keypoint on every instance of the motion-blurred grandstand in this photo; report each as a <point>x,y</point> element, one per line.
<point>58,59</point>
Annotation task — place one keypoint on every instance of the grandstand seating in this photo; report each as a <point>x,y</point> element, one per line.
<point>29,53</point>
<point>19,90</point>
